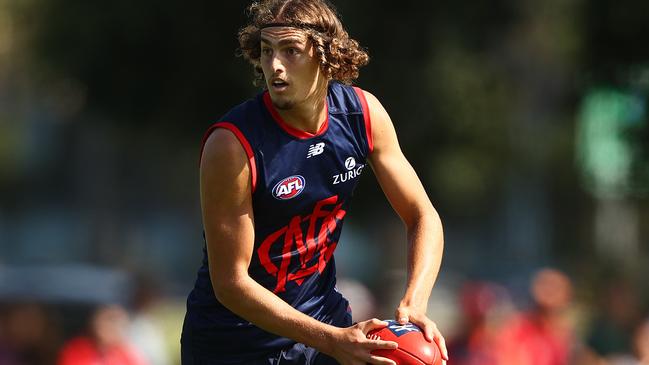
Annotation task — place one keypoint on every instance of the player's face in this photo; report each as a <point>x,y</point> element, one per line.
<point>291,70</point>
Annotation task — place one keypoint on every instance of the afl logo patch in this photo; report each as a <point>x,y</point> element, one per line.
<point>289,188</point>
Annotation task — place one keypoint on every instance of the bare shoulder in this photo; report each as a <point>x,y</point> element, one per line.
<point>224,163</point>
<point>371,98</point>
<point>374,105</point>
<point>222,145</point>
<point>383,133</point>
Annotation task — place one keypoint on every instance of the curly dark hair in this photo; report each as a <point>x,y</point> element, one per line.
<point>340,56</point>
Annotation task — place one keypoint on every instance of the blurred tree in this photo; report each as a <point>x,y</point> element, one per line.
<point>161,62</point>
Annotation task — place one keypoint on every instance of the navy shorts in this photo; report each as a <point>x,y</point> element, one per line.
<point>198,349</point>
<point>298,354</point>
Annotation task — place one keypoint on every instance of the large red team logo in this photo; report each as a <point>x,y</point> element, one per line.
<point>289,188</point>
<point>302,254</point>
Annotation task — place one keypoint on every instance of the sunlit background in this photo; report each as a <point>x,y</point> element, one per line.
<point>526,121</point>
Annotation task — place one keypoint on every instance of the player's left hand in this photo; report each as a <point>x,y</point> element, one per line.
<point>405,314</point>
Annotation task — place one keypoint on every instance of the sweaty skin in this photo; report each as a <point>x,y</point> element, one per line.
<point>297,87</point>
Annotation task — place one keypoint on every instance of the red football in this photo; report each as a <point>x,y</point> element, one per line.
<point>413,347</point>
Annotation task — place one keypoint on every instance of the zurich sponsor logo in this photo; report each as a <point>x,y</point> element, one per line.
<point>350,163</point>
<point>353,171</point>
<point>289,188</point>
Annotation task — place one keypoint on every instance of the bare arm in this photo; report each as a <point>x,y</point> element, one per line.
<point>228,219</point>
<point>407,196</point>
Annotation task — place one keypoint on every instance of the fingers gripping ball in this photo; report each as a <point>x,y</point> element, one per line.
<point>413,348</point>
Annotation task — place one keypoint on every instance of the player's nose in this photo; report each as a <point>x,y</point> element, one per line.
<point>277,65</point>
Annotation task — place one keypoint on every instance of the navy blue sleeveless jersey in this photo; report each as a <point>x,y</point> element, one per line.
<point>302,185</point>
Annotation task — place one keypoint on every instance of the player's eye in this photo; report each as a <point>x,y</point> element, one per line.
<point>266,51</point>
<point>292,51</point>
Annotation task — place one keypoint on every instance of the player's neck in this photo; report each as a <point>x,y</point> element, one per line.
<point>308,116</point>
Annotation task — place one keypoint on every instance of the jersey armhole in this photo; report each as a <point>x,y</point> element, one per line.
<point>244,143</point>
<point>366,118</point>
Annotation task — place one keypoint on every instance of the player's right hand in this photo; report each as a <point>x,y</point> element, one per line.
<point>352,347</point>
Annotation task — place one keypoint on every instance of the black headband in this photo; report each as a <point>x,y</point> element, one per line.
<point>317,28</point>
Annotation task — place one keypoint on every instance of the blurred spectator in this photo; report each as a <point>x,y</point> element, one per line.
<point>144,331</point>
<point>106,343</point>
<point>641,343</point>
<point>611,332</point>
<point>640,349</point>
<point>484,307</point>
<point>361,300</point>
<point>544,334</point>
<point>28,336</point>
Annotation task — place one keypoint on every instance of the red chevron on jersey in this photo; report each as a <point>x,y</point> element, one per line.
<point>295,247</point>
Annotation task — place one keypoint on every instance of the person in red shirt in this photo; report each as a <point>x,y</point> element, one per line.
<point>543,335</point>
<point>485,306</point>
<point>106,343</point>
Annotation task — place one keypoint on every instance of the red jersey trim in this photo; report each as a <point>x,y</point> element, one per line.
<point>298,133</point>
<point>366,117</point>
<point>244,143</point>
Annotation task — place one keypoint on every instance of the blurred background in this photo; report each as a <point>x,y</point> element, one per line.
<point>526,121</point>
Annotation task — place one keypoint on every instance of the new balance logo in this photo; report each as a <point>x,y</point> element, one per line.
<point>315,149</point>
